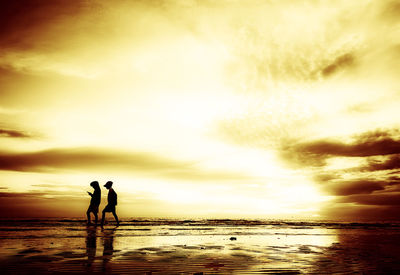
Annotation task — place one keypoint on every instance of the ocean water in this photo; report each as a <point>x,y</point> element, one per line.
<point>165,246</point>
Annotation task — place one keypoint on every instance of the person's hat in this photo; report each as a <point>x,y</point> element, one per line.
<point>108,184</point>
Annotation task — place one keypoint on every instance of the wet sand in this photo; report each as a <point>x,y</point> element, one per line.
<point>198,247</point>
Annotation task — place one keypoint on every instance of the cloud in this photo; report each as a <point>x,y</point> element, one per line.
<point>22,195</point>
<point>394,179</point>
<point>97,159</point>
<point>82,39</point>
<point>315,153</point>
<point>391,199</point>
<point>342,62</point>
<point>324,177</point>
<point>391,10</point>
<point>23,22</point>
<point>390,163</point>
<point>357,212</point>
<point>364,190</point>
<point>13,134</point>
<point>350,187</point>
<point>40,204</point>
<point>34,35</point>
<point>80,158</point>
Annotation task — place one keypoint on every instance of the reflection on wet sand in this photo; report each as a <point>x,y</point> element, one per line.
<point>210,250</point>
<point>107,239</point>
<point>91,245</point>
<point>108,248</point>
<point>48,248</point>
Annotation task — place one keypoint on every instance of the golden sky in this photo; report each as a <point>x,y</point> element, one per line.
<point>234,109</point>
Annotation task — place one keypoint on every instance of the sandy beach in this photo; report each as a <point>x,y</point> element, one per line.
<point>198,247</point>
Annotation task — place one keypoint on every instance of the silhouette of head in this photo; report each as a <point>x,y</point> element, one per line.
<point>108,184</point>
<point>95,184</point>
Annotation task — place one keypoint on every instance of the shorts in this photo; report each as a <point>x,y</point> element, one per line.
<point>93,208</point>
<point>109,208</point>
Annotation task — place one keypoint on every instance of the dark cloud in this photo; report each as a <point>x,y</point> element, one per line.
<point>388,199</point>
<point>40,204</point>
<point>350,187</point>
<point>392,162</point>
<point>360,191</point>
<point>79,158</point>
<point>356,183</point>
<point>360,148</point>
<point>48,159</point>
<point>351,212</point>
<point>23,22</point>
<point>394,179</point>
<point>22,195</point>
<point>394,188</point>
<point>325,177</point>
<point>315,153</point>
<point>13,134</point>
<point>96,159</point>
<point>340,63</point>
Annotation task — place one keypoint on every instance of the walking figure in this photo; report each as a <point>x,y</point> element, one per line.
<point>94,202</point>
<point>112,202</point>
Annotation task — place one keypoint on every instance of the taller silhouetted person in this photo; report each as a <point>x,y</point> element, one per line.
<point>94,202</point>
<point>112,202</point>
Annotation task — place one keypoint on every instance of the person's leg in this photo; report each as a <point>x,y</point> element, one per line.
<point>88,216</point>
<point>116,217</point>
<point>95,218</point>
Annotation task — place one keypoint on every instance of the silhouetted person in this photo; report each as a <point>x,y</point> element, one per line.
<point>94,202</point>
<point>112,202</point>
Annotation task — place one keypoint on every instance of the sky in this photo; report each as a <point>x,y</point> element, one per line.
<point>201,109</point>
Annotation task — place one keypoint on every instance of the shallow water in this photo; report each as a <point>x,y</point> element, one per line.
<point>199,247</point>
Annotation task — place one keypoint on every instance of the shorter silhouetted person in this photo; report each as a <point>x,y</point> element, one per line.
<point>112,202</point>
<point>94,202</point>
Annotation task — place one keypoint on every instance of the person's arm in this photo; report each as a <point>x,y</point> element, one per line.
<point>90,193</point>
